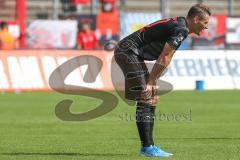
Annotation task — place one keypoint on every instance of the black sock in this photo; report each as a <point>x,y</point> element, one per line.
<point>145,121</point>
<point>152,123</point>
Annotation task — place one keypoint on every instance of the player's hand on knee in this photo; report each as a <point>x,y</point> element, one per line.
<point>152,101</point>
<point>147,94</point>
<point>150,91</point>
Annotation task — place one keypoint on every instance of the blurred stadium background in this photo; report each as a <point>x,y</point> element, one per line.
<point>205,74</point>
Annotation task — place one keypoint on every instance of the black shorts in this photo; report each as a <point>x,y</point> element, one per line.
<point>135,72</point>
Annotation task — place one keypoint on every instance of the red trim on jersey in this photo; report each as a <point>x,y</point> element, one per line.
<point>158,22</point>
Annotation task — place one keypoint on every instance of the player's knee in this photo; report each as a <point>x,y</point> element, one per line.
<point>150,102</point>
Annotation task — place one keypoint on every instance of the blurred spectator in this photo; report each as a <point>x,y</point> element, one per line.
<point>7,40</point>
<point>108,5</point>
<point>86,38</point>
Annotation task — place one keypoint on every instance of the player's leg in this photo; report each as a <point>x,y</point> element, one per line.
<point>146,113</point>
<point>145,120</point>
<point>148,118</point>
<point>136,75</point>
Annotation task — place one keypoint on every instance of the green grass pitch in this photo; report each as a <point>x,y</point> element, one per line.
<point>30,130</point>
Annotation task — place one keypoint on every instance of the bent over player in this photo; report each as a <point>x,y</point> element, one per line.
<point>157,41</point>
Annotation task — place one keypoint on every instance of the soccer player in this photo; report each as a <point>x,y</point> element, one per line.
<point>157,41</point>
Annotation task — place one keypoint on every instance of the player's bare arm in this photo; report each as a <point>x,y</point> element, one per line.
<point>160,65</point>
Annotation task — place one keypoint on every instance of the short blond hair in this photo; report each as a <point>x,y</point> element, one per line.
<point>199,10</point>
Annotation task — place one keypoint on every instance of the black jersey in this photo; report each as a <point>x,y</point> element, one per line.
<point>148,42</point>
